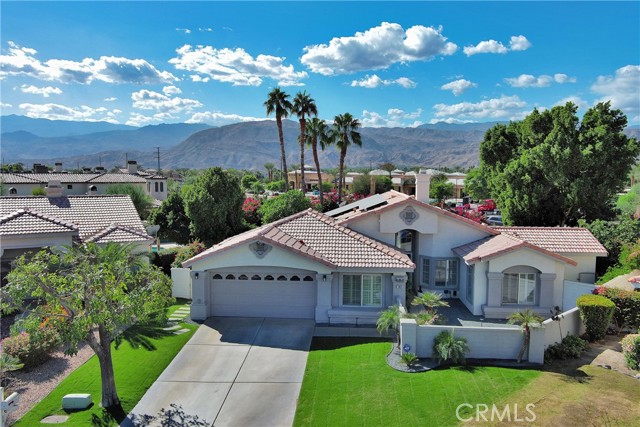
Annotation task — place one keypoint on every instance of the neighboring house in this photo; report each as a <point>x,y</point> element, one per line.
<point>347,265</point>
<point>310,178</point>
<point>23,184</point>
<point>28,223</point>
<point>405,182</point>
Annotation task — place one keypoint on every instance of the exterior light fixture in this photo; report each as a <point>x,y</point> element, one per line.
<point>197,275</point>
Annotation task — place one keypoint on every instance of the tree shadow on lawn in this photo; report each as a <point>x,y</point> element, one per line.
<point>107,416</point>
<point>140,336</point>
<point>334,343</point>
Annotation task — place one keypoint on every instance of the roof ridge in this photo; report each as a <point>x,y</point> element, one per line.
<point>113,227</point>
<point>36,214</point>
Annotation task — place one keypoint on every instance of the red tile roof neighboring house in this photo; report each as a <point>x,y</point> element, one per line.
<point>558,239</point>
<point>119,234</point>
<point>26,221</point>
<point>318,237</point>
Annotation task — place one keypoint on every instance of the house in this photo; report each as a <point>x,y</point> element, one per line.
<point>28,223</point>
<point>310,178</point>
<point>348,264</point>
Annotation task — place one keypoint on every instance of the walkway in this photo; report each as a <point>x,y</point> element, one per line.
<point>236,372</point>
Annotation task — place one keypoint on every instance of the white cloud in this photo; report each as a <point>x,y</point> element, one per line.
<point>394,117</point>
<point>137,119</point>
<point>371,82</point>
<point>205,30</point>
<point>377,48</point>
<point>148,100</point>
<point>458,87</point>
<point>218,118</point>
<point>505,107</point>
<point>111,99</point>
<point>492,46</point>
<point>184,30</point>
<point>623,90</point>
<point>171,90</point>
<point>581,103</point>
<point>62,112</point>
<point>450,120</point>
<point>44,91</point>
<point>108,69</point>
<point>5,105</point>
<point>544,80</point>
<point>235,66</point>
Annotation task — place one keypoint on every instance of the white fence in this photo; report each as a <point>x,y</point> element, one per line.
<point>571,292</point>
<point>181,279</point>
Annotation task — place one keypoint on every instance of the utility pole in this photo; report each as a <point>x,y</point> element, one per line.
<point>100,159</point>
<point>158,155</point>
<point>126,160</point>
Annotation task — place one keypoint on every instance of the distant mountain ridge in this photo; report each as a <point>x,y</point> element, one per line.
<point>53,128</point>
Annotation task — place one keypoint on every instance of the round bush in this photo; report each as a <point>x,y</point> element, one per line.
<point>596,313</point>
<point>31,352</point>
<point>631,350</point>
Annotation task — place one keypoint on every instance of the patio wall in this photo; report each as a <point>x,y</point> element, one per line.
<point>571,292</point>
<point>181,283</point>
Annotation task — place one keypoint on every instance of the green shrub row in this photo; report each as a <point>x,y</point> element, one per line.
<point>627,314</point>
<point>631,350</point>
<point>571,346</point>
<point>596,313</point>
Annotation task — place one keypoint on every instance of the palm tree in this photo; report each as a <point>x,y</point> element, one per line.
<point>269,167</point>
<point>345,129</point>
<point>278,103</point>
<point>303,105</point>
<point>430,301</point>
<point>318,133</point>
<point>9,363</point>
<point>525,319</point>
<point>390,319</point>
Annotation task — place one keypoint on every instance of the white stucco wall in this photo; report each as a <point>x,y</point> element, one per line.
<point>35,241</point>
<point>586,264</point>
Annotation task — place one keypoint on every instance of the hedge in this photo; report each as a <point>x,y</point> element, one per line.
<point>631,350</point>
<point>164,259</point>
<point>627,314</point>
<point>596,312</point>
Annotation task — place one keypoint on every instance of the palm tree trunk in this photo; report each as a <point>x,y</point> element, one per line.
<point>525,345</point>
<point>343,154</point>
<point>314,149</point>
<point>284,158</point>
<point>303,125</point>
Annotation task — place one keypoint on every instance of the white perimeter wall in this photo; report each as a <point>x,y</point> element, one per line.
<point>181,279</point>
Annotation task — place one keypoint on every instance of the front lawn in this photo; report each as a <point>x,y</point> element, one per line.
<point>139,357</point>
<point>347,383</point>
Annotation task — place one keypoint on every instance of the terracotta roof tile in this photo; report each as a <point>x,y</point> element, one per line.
<point>558,239</point>
<point>70,178</point>
<point>26,221</point>
<point>118,233</point>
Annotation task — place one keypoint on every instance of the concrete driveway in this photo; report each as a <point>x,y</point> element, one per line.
<point>236,372</point>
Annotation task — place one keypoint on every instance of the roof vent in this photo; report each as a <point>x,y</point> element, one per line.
<point>53,188</point>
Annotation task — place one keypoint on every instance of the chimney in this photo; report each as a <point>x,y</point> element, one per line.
<point>99,169</point>
<point>372,185</point>
<point>53,188</point>
<point>86,170</point>
<point>423,182</point>
<point>132,166</point>
<point>39,168</point>
<point>58,167</point>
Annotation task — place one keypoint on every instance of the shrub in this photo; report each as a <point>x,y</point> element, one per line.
<point>631,350</point>
<point>448,347</point>
<point>250,208</point>
<point>186,252</point>
<point>38,191</point>
<point>164,259</point>
<point>596,312</point>
<point>627,303</point>
<point>571,346</point>
<point>31,352</point>
<point>284,205</point>
<point>409,359</point>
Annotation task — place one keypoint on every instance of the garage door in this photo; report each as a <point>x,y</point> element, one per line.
<point>290,295</point>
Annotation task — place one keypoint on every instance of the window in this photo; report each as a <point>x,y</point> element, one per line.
<point>148,187</point>
<point>519,288</point>
<point>217,277</point>
<point>161,187</point>
<point>363,290</point>
<point>69,187</point>
<point>470,282</point>
<point>426,273</point>
<point>13,191</point>
<point>282,278</point>
<point>268,277</point>
<point>156,186</point>
<point>294,279</point>
<point>256,277</point>
<point>243,277</point>
<point>230,277</point>
<point>446,273</point>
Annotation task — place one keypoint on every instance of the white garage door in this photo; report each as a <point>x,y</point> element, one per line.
<point>286,295</point>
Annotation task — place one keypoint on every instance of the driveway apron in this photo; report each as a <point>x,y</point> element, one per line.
<point>236,372</point>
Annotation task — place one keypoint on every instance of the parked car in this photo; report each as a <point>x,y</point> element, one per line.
<point>494,220</point>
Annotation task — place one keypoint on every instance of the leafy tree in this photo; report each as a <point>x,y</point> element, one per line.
<point>275,185</point>
<point>614,236</point>
<point>388,167</point>
<point>525,319</point>
<point>318,134</point>
<point>278,103</point>
<point>551,169</point>
<point>90,293</point>
<point>628,203</point>
<point>172,219</point>
<point>362,184</point>
<point>282,206</point>
<point>345,131</point>
<point>257,188</point>
<point>441,188</point>
<point>13,167</point>
<point>303,106</point>
<point>475,185</point>
<point>141,200</point>
<point>248,180</point>
<point>214,206</point>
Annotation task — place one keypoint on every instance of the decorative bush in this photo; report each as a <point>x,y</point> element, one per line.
<point>627,313</point>
<point>449,348</point>
<point>571,347</point>
<point>164,259</point>
<point>31,352</point>
<point>409,359</point>
<point>631,350</point>
<point>186,252</point>
<point>596,312</point>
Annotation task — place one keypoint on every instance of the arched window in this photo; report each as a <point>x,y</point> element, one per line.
<point>268,277</point>
<point>243,277</point>
<point>307,279</point>
<point>13,191</point>
<point>295,279</point>
<point>520,285</point>
<point>230,277</point>
<point>217,277</point>
<point>256,277</point>
<point>282,278</point>
<point>93,188</point>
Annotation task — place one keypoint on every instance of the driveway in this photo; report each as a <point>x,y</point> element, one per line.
<point>236,372</point>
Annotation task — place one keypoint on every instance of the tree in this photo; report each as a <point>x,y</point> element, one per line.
<point>614,236</point>
<point>475,185</point>
<point>248,180</point>
<point>551,169</point>
<point>270,167</point>
<point>278,103</point>
<point>390,319</point>
<point>441,189</point>
<point>362,184</point>
<point>345,129</point>
<point>38,191</point>
<point>318,134</point>
<point>172,219</point>
<point>303,106</point>
<point>388,167</point>
<point>525,319</point>
<point>214,206</point>
<point>282,206</point>
<point>141,200</point>
<point>628,203</point>
<point>89,294</point>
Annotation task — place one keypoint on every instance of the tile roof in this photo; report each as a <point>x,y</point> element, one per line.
<point>26,221</point>
<point>117,178</point>
<point>558,239</point>
<point>318,237</point>
<point>14,178</point>
<point>119,234</point>
<point>70,178</point>
<point>91,214</point>
<point>493,246</point>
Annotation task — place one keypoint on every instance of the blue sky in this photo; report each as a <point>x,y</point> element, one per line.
<point>387,63</point>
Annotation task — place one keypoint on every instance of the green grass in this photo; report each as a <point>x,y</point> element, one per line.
<point>348,383</point>
<point>139,357</point>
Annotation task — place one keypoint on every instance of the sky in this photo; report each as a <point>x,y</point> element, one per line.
<point>386,63</point>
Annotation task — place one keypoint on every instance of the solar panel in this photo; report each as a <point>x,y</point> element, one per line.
<point>363,205</point>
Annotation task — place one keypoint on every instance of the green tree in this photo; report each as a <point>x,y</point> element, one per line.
<point>441,189</point>
<point>614,236</point>
<point>214,206</point>
<point>282,206</point>
<point>475,184</point>
<point>89,294</point>
<point>248,180</point>
<point>303,106</point>
<point>388,167</point>
<point>278,103</point>
<point>551,169</point>
<point>318,135</point>
<point>172,219</point>
<point>390,319</point>
<point>141,200</point>
<point>345,130</point>
<point>362,184</point>
<point>525,319</point>
<point>269,168</point>
<point>628,203</point>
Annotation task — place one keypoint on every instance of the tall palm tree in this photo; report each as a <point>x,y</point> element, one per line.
<point>269,167</point>
<point>303,106</point>
<point>318,133</point>
<point>345,129</point>
<point>525,319</point>
<point>278,103</point>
